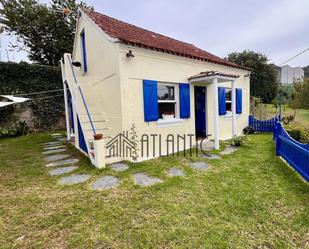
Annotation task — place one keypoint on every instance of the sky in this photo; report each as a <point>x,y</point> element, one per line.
<point>277,28</point>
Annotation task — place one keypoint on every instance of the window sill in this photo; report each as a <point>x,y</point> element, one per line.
<point>229,115</point>
<point>169,122</point>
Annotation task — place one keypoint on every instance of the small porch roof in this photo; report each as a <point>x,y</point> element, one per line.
<point>208,76</point>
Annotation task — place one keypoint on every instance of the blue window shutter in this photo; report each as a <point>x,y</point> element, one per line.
<point>151,112</point>
<point>222,101</point>
<point>238,100</point>
<point>184,98</point>
<point>83,41</point>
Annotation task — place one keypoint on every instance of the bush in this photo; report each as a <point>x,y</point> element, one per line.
<point>248,130</point>
<point>21,78</point>
<point>238,140</point>
<point>287,119</point>
<point>18,130</point>
<point>299,133</point>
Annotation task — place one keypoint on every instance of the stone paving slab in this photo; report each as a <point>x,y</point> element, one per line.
<point>62,170</point>
<point>229,149</point>
<point>62,139</point>
<point>54,147</point>
<point>105,182</point>
<point>53,151</point>
<point>119,167</point>
<point>63,162</point>
<point>175,172</point>
<point>210,156</point>
<point>57,135</point>
<point>56,157</point>
<point>53,143</point>
<point>199,165</point>
<point>73,179</point>
<point>208,145</point>
<point>143,179</point>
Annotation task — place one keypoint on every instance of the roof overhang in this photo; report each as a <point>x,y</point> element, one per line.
<point>209,76</point>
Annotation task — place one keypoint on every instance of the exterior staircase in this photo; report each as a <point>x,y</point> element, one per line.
<point>88,121</point>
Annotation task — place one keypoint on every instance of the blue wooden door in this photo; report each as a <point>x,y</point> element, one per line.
<point>200,110</point>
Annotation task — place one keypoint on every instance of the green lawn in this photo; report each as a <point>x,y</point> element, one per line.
<point>301,118</point>
<point>249,199</point>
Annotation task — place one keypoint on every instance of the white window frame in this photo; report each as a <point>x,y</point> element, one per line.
<point>176,120</point>
<point>228,113</point>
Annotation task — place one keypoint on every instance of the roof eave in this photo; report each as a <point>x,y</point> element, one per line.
<point>184,55</point>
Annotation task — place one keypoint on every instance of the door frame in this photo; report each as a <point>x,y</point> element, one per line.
<point>205,108</point>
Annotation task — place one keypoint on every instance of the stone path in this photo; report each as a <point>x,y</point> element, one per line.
<point>175,172</point>
<point>62,170</point>
<point>56,134</point>
<point>56,157</point>
<point>210,156</point>
<point>199,165</point>
<point>52,143</point>
<point>63,162</point>
<point>229,149</point>
<point>54,147</point>
<point>67,164</point>
<point>208,145</point>
<point>53,151</point>
<point>62,139</point>
<point>106,182</point>
<point>119,167</point>
<point>142,179</point>
<point>73,179</point>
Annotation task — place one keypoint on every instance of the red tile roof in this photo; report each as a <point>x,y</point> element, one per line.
<point>132,35</point>
<point>212,73</point>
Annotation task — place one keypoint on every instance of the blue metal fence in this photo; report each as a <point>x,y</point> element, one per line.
<point>295,153</point>
<point>263,125</point>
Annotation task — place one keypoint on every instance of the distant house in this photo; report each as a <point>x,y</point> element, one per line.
<point>120,74</point>
<point>288,75</point>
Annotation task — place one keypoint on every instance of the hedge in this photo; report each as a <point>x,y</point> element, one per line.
<point>24,78</point>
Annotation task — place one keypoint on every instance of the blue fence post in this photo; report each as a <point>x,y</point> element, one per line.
<point>277,139</point>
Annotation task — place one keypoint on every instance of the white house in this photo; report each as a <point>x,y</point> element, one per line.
<point>121,75</point>
<point>288,75</point>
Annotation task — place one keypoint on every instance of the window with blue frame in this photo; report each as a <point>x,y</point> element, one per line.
<point>165,101</point>
<point>84,51</point>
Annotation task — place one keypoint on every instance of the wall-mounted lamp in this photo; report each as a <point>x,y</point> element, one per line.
<point>76,64</point>
<point>130,54</point>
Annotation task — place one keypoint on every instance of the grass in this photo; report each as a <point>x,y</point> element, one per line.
<point>301,118</point>
<point>249,199</point>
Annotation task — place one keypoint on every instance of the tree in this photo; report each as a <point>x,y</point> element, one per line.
<point>263,78</point>
<point>301,95</point>
<point>46,32</point>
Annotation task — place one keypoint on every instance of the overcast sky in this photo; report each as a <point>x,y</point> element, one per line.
<point>277,28</point>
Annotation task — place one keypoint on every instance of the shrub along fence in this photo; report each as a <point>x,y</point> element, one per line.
<point>263,125</point>
<point>44,110</point>
<point>294,152</point>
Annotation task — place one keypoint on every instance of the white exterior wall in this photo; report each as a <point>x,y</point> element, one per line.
<point>298,74</point>
<point>158,66</point>
<point>290,75</point>
<point>100,84</point>
<point>113,86</point>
